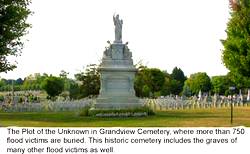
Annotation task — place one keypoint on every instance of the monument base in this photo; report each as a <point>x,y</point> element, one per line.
<point>119,107</point>
<point>117,103</point>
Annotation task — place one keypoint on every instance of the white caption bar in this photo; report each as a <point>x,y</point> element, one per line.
<point>16,140</point>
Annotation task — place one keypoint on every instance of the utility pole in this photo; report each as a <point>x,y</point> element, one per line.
<point>231,110</point>
<point>231,89</point>
<point>12,91</point>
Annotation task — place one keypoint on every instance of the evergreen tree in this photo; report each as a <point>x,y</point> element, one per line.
<point>177,81</point>
<point>178,74</point>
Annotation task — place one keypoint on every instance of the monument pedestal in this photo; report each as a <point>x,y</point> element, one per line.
<point>117,79</point>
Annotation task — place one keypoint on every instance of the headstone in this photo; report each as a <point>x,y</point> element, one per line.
<point>199,95</point>
<point>248,95</point>
<point>117,75</point>
<point>215,98</point>
<point>240,97</point>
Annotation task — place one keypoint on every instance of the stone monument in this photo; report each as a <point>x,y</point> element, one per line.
<point>117,75</point>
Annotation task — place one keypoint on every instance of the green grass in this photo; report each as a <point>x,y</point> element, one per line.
<point>170,118</point>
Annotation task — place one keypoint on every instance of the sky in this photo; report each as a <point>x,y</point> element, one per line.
<point>70,34</point>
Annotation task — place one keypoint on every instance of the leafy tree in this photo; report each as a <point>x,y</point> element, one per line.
<point>139,80</point>
<point>176,87</point>
<point>53,86</point>
<point>156,79</point>
<point>64,76</point>
<point>27,84</point>
<point>74,90</point>
<point>13,25</point>
<point>221,84</point>
<point>2,82</point>
<point>34,82</point>
<point>149,80</point>
<point>145,91</point>
<point>174,82</point>
<point>90,81</point>
<point>236,53</point>
<point>196,82</point>
<point>166,88</point>
<point>7,84</point>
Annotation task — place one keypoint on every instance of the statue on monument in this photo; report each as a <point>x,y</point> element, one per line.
<point>118,28</point>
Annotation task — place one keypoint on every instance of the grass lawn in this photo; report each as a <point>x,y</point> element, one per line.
<point>170,118</point>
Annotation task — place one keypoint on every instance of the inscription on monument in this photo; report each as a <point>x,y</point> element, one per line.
<point>117,84</point>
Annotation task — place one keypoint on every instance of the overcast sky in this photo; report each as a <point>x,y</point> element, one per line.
<point>70,34</point>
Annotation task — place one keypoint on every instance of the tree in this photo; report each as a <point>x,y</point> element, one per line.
<point>90,80</point>
<point>139,82</point>
<point>157,79</point>
<point>221,84</point>
<point>186,90</point>
<point>34,82</point>
<point>64,76</point>
<point>53,86</point>
<point>178,74</point>
<point>148,80</point>
<point>145,91</point>
<point>176,87</point>
<point>177,81</point>
<point>74,90</point>
<point>19,81</point>
<point>166,88</point>
<point>174,82</point>
<point>13,25</point>
<point>236,53</point>
<point>2,84</point>
<point>196,82</point>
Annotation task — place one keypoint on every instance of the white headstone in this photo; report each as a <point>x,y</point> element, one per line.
<point>199,95</point>
<point>248,95</point>
<point>240,97</point>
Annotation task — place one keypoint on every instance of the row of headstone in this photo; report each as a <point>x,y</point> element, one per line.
<point>171,103</point>
<point>20,97</point>
<point>47,106</point>
<point>215,98</point>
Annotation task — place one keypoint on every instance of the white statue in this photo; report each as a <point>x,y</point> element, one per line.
<point>118,28</point>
